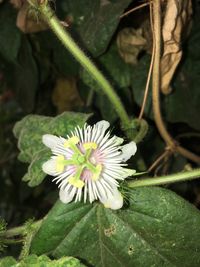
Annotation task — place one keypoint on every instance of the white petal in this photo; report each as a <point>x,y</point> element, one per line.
<point>65,197</point>
<point>50,140</point>
<point>128,151</point>
<point>113,202</point>
<point>118,140</point>
<point>49,167</point>
<point>127,173</point>
<point>103,126</point>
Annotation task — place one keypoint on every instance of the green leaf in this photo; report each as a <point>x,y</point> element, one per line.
<point>96,21</point>
<point>2,231</point>
<point>117,70</point>
<point>7,262</point>
<point>26,77</point>
<point>63,60</point>
<point>53,51</point>
<point>29,133</point>
<point>183,104</point>
<point>35,175</point>
<point>10,36</point>
<point>158,228</point>
<point>41,261</point>
<point>118,73</point>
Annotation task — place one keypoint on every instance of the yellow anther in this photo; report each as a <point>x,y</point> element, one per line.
<point>90,145</point>
<point>76,182</point>
<point>97,172</point>
<point>71,141</point>
<point>60,165</point>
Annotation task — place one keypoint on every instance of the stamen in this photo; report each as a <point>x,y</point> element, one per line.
<point>71,143</point>
<point>97,173</point>
<point>72,140</point>
<point>75,180</point>
<point>90,145</point>
<point>77,183</point>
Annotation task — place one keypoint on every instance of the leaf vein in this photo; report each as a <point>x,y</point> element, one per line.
<point>145,241</point>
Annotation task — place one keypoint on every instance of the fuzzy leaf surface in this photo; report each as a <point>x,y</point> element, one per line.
<point>158,228</point>
<point>41,261</point>
<point>95,21</point>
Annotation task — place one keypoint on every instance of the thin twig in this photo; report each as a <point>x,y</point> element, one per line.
<point>150,71</point>
<point>134,9</point>
<point>159,159</point>
<point>188,154</point>
<point>156,74</point>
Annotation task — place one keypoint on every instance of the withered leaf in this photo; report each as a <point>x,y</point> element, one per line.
<point>65,95</point>
<point>130,43</point>
<point>177,22</point>
<point>27,20</point>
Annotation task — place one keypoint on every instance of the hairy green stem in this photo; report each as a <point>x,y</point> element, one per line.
<point>16,231</point>
<point>81,57</point>
<point>173,178</point>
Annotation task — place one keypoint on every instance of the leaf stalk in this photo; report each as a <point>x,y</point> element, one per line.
<point>167,179</point>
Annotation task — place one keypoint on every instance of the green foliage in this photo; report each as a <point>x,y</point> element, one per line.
<point>158,228</point>
<point>95,21</point>
<point>29,133</point>
<point>7,262</point>
<point>118,72</point>
<point>30,228</point>
<point>41,261</point>
<point>64,63</point>
<point>2,230</point>
<point>26,76</point>
<point>10,36</point>
<point>139,77</point>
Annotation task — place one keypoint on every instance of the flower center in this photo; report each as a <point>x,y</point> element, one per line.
<point>81,160</point>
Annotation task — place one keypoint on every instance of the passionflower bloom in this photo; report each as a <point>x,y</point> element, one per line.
<point>89,163</point>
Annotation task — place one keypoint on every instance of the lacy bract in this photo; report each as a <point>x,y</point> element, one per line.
<point>88,164</point>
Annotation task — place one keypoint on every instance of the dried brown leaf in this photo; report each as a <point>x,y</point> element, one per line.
<point>65,95</point>
<point>130,43</point>
<point>28,22</point>
<point>17,3</point>
<point>177,22</point>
